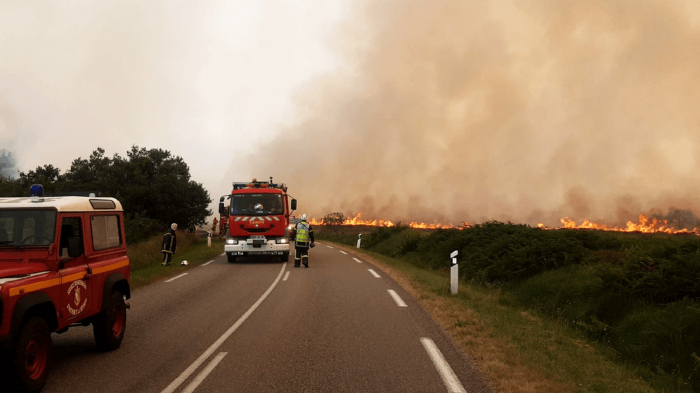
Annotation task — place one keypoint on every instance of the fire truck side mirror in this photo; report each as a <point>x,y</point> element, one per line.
<point>222,210</point>
<point>75,248</point>
<point>294,204</point>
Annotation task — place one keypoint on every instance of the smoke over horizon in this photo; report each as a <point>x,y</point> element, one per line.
<point>526,112</point>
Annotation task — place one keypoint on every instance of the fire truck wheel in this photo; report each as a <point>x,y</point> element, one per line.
<point>110,324</point>
<point>285,257</point>
<point>231,258</point>
<point>32,352</point>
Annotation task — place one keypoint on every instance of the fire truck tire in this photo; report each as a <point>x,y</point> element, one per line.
<point>31,355</point>
<point>109,325</point>
<point>231,258</point>
<point>285,257</point>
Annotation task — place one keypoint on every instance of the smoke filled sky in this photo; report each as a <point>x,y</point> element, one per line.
<point>408,110</point>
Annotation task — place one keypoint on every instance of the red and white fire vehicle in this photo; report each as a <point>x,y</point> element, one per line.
<point>63,263</point>
<point>258,219</point>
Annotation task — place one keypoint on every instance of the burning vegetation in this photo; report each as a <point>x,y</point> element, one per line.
<point>676,222</point>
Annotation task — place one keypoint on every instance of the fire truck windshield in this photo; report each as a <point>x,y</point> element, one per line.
<point>256,204</point>
<point>24,228</point>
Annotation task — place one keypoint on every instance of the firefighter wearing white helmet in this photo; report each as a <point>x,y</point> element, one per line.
<point>303,235</point>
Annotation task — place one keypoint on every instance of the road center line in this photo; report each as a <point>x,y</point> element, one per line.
<point>397,298</point>
<point>343,252</point>
<point>328,246</point>
<point>443,368</point>
<point>176,277</point>
<point>185,374</point>
<point>357,260</point>
<point>201,376</point>
<point>373,273</point>
<point>205,264</point>
<point>286,276</point>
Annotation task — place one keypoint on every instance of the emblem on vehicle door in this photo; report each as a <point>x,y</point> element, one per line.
<point>77,289</point>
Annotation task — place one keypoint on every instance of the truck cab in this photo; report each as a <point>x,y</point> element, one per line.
<point>63,263</point>
<point>258,218</point>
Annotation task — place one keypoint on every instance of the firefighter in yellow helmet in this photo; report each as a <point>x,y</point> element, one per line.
<point>303,236</point>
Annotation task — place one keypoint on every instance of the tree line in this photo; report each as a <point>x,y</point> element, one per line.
<point>154,187</point>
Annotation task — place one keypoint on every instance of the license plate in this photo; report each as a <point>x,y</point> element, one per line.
<point>258,237</point>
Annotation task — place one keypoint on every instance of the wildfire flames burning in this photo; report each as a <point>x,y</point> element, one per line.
<point>644,225</point>
<point>357,220</point>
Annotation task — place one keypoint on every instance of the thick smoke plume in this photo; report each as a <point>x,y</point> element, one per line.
<point>502,110</point>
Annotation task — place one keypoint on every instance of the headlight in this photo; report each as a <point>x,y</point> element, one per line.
<point>282,240</point>
<point>230,241</point>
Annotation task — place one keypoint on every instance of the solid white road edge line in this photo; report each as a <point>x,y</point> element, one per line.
<point>373,273</point>
<point>202,375</point>
<point>443,368</point>
<point>205,264</point>
<point>176,277</point>
<point>286,276</point>
<point>185,374</point>
<point>343,252</point>
<point>357,260</point>
<point>397,298</point>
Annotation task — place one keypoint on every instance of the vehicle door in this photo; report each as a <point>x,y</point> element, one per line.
<point>76,291</point>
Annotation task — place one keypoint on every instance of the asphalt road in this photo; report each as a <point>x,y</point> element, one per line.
<point>265,326</point>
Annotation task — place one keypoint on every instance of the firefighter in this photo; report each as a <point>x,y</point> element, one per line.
<point>303,235</point>
<point>169,245</point>
<point>222,226</point>
<point>213,227</point>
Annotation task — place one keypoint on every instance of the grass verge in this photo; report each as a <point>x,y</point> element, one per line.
<point>516,349</point>
<point>146,257</point>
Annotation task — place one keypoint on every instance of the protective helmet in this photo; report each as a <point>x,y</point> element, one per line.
<point>184,263</point>
<point>173,226</point>
<point>303,217</point>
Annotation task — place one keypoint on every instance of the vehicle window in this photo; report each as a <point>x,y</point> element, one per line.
<point>105,232</point>
<point>6,226</point>
<point>70,227</point>
<point>257,204</point>
<point>27,227</point>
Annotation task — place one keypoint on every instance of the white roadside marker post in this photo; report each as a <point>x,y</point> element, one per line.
<point>454,274</point>
<point>359,240</point>
<point>208,238</point>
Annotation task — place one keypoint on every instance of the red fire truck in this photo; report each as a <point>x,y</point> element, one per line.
<point>258,219</point>
<point>63,263</point>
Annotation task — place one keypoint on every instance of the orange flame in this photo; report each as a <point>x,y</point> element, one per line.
<point>645,225</point>
<point>357,220</point>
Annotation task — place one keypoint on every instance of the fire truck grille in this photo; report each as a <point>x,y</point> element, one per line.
<point>256,230</point>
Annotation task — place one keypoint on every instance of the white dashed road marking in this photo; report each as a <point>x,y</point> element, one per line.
<point>199,378</point>
<point>205,264</point>
<point>357,260</point>
<point>328,246</point>
<point>397,298</point>
<point>176,277</point>
<point>343,252</point>
<point>373,273</point>
<point>443,368</point>
<point>204,356</point>
<point>286,276</point>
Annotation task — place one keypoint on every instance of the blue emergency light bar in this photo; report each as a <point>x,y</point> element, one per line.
<point>36,190</point>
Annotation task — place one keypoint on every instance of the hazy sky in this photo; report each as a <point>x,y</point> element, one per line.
<point>408,110</point>
<point>207,80</point>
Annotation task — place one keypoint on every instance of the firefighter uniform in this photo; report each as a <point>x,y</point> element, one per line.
<point>169,245</point>
<point>303,235</point>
